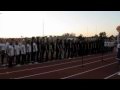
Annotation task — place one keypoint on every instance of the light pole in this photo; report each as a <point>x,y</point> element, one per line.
<point>118,47</point>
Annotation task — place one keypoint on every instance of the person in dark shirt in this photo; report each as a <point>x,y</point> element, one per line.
<point>47,49</point>
<point>65,48</point>
<point>38,47</point>
<point>52,49</point>
<point>32,54</point>
<point>42,49</point>
<point>57,49</point>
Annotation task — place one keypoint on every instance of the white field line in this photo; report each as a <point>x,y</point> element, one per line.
<point>111,75</point>
<point>88,70</point>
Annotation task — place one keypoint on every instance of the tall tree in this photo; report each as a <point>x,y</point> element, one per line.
<point>81,37</point>
<point>102,35</point>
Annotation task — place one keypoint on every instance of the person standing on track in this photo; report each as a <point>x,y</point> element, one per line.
<point>28,51</point>
<point>23,52</point>
<point>118,53</point>
<point>35,49</point>
<point>38,47</point>
<point>3,50</point>
<point>118,57</point>
<point>60,49</point>
<point>47,49</point>
<point>57,48</point>
<point>17,53</point>
<point>65,50</point>
<point>118,48</point>
<point>10,54</point>
<point>32,56</point>
<point>51,48</point>
<point>42,49</point>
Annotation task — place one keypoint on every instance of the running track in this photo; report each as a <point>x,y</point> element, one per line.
<point>92,68</point>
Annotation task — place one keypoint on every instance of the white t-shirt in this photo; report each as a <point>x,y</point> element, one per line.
<point>23,51</point>
<point>28,48</point>
<point>35,49</point>
<point>6,46</point>
<point>17,49</point>
<point>118,45</point>
<point>10,50</point>
<point>105,44</point>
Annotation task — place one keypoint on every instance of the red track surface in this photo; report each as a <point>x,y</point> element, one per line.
<point>93,68</point>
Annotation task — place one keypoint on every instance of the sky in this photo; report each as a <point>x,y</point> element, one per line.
<point>45,23</point>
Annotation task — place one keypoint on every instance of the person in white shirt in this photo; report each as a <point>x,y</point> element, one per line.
<point>35,49</point>
<point>10,55</point>
<point>17,53</point>
<point>23,53</point>
<point>6,46</point>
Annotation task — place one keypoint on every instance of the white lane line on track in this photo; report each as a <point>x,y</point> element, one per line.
<point>56,61</point>
<point>59,69</point>
<point>88,71</point>
<point>111,75</point>
<point>48,66</point>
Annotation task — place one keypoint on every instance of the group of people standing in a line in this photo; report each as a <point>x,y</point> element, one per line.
<point>42,49</point>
